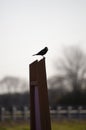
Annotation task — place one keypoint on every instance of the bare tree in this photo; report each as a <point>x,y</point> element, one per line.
<point>72,66</point>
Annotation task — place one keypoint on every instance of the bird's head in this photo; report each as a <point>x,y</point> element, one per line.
<point>46,48</point>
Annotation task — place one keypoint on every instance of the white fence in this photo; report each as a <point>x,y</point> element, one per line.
<point>14,114</point>
<point>69,113</point>
<point>60,113</point>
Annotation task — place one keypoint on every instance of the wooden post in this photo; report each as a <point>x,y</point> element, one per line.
<point>39,105</point>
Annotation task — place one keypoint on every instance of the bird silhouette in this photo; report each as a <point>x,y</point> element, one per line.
<point>42,52</point>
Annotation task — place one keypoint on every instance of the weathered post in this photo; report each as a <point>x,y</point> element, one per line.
<point>39,105</point>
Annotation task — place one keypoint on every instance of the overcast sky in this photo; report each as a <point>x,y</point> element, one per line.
<point>26,26</point>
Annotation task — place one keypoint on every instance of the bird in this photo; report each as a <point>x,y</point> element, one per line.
<point>42,52</point>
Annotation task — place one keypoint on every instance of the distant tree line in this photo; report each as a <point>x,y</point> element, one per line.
<point>56,97</point>
<point>67,87</point>
<point>18,99</point>
<point>67,99</point>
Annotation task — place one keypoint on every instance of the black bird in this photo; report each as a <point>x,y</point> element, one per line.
<point>42,52</point>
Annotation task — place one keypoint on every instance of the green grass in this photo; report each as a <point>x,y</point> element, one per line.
<point>69,125</point>
<point>56,125</point>
<point>14,126</point>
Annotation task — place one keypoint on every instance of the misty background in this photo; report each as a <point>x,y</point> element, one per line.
<point>28,26</point>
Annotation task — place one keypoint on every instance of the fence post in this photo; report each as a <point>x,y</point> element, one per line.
<point>26,113</point>
<point>79,111</point>
<point>14,113</point>
<point>69,111</point>
<point>2,114</point>
<point>58,112</point>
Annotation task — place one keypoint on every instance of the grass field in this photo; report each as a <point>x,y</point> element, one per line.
<point>56,125</point>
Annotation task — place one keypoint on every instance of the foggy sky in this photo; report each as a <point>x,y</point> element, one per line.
<point>26,26</point>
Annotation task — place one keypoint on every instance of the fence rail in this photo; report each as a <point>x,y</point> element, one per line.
<point>60,113</point>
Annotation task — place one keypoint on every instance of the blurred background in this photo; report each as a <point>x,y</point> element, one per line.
<point>26,27</point>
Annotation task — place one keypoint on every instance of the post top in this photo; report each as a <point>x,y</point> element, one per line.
<point>37,61</point>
